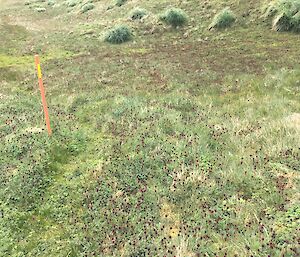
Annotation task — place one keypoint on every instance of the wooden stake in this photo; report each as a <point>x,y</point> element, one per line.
<point>41,85</point>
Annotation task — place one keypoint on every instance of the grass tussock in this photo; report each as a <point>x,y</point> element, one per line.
<point>138,13</point>
<point>285,15</point>
<point>51,2</point>
<point>87,7</point>
<point>175,17</point>
<point>72,3</point>
<point>119,3</point>
<point>118,34</point>
<point>223,19</point>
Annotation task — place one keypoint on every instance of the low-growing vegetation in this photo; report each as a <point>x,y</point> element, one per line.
<point>175,17</point>
<point>173,144</point>
<point>285,15</point>
<point>137,13</point>
<point>51,2</point>
<point>118,34</point>
<point>72,3</point>
<point>120,2</point>
<point>87,7</point>
<point>223,19</point>
<point>40,9</point>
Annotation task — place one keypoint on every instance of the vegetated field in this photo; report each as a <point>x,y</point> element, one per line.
<point>179,142</point>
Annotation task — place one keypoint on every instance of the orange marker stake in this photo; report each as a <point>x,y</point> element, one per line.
<point>39,72</point>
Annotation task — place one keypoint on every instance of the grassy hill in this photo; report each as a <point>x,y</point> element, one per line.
<point>183,141</point>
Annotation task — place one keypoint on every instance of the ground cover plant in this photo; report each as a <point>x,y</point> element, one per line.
<point>223,19</point>
<point>120,2</point>
<point>87,7</point>
<point>177,143</point>
<point>174,17</point>
<point>118,34</point>
<point>138,13</point>
<point>285,15</point>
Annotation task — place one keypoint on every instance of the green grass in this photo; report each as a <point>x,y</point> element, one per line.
<point>168,145</point>
<point>175,17</point>
<point>72,3</point>
<point>118,34</point>
<point>223,19</point>
<point>285,14</point>
<point>87,7</point>
<point>137,13</point>
<point>119,3</point>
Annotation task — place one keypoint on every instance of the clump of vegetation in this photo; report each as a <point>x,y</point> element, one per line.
<point>87,7</point>
<point>72,3</point>
<point>51,2</point>
<point>175,17</point>
<point>40,9</point>
<point>120,2</point>
<point>138,13</point>
<point>296,22</point>
<point>118,34</point>
<point>285,15</point>
<point>223,19</point>
<point>281,22</point>
<point>110,7</point>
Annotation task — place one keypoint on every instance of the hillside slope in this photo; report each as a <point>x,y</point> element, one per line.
<point>181,142</point>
